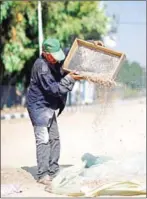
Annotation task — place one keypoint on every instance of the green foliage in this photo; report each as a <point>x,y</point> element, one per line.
<point>18,47</point>
<point>12,62</point>
<point>5,6</point>
<point>67,20</point>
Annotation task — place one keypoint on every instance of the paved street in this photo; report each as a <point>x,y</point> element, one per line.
<point>117,130</point>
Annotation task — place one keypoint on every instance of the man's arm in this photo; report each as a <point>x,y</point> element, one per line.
<point>50,86</point>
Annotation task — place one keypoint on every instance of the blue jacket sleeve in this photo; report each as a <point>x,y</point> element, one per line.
<point>49,85</point>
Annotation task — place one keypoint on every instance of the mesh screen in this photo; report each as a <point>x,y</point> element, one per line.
<point>93,62</point>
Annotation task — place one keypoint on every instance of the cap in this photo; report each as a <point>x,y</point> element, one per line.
<point>52,46</point>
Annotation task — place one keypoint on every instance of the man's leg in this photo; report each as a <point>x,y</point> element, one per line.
<point>42,150</point>
<point>54,141</point>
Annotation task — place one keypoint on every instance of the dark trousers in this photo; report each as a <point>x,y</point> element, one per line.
<point>47,149</point>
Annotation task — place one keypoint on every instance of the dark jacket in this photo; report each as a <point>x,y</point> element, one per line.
<point>47,91</point>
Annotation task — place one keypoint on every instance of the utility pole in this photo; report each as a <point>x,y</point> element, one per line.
<point>40,29</point>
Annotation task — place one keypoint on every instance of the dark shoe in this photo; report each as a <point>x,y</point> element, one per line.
<point>54,175</point>
<point>45,180</point>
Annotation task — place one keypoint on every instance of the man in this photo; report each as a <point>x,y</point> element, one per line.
<point>47,92</point>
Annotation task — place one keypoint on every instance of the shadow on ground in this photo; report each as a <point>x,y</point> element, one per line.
<point>33,170</point>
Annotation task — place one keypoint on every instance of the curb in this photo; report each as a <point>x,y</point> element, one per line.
<point>26,115</point>
<point>67,109</point>
<point>14,116</point>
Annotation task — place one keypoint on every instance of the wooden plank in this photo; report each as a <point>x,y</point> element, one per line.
<point>70,54</point>
<point>116,70</point>
<point>67,70</point>
<point>101,48</point>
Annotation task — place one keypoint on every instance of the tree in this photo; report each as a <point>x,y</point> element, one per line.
<point>68,20</point>
<point>18,28</point>
<point>17,47</point>
<point>132,75</point>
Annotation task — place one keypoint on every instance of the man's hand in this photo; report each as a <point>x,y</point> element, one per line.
<point>99,43</point>
<point>75,75</point>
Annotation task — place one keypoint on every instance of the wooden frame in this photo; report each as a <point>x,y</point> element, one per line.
<point>79,42</point>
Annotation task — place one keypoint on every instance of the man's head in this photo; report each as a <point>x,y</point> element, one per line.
<point>52,50</point>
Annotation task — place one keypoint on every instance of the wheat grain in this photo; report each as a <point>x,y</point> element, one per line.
<point>94,66</point>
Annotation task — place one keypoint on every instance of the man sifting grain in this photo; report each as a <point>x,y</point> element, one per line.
<point>47,92</point>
